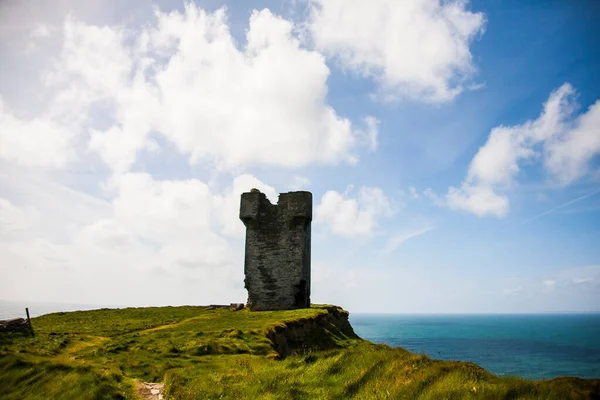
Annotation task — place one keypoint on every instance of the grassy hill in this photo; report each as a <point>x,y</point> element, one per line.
<point>208,353</point>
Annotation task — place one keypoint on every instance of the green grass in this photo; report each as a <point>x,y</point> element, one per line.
<point>362,371</point>
<point>202,353</point>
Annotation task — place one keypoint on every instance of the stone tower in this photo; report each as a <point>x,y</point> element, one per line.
<point>277,263</point>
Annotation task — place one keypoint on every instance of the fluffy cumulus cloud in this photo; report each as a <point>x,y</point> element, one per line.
<point>169,237</point>
<point>39,142</point>
<point>227,204</point>
<point>416,49</point>
<point>299,183</point>
<point>569,154</point>
<point>563,141</point>
<point>346,216</point>
<point>112,98</point>
<point>184,79</point>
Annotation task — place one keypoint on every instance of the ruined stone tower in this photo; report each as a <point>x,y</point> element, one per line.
<point>277,263</point>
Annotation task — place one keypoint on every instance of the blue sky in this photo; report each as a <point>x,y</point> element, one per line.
<point>452,149</point>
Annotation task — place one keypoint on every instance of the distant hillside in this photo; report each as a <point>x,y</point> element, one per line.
<point>218,353</point>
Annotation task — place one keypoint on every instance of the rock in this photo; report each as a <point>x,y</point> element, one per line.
<point>14,325</point>
<point>307,333</point>
<point>150,391</point>
<point>15,321</point>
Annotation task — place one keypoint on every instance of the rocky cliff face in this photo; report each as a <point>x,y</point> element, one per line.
<point>324,331</point>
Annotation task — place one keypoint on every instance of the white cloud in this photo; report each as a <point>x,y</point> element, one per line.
<point>549,284</point>
<point>588,275</point>
<point>372,132</point>
<point>413,192</point>
<point>479,200</point>
<point>161,209</point>
<point>569,154</point>
<point>41,31</point>
<point>512,291</point>
<point>53,211</point>
<point>566,143</point>
<point>182,213</point>
<point>336,283</point>
<point>12,218</point>
<point>93,59</point>
<point>583,280</point>
<point>417,49</point>
<point>227,204</point>
<point>183,78</point>
<point>497,162</point>
<point>431,195</point>
<point>117,92</point>
<point>161,241</point>
<point>346,216</point>
<point>299,183</point>
<point>39,142</point>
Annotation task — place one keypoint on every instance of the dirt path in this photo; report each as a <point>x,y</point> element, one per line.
<point>173,325</point>
<point>150,391</point>
<point>91,341</point>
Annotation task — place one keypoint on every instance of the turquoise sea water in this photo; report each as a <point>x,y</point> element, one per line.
<point>530,346</point>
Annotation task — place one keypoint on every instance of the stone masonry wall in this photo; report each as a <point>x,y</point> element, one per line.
<point>14,325</point>
<point>277,262</point>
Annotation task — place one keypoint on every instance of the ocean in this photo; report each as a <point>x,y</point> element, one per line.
<point>530,346</point>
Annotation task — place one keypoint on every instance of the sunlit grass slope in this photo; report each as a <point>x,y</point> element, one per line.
<point>203,353</point>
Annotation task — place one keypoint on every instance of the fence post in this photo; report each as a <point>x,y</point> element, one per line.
<point>29,320</point>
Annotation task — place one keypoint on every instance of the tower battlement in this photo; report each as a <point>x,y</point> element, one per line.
<point>277,261</point>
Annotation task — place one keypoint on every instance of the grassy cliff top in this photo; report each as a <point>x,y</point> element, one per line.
<point>206,353</point>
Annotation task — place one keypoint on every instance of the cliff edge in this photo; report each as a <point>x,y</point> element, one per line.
<point>319,332</point>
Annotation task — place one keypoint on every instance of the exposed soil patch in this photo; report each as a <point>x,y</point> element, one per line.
<point>150,391</point>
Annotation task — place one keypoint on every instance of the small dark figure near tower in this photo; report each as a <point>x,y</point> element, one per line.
<point>277,262</point>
